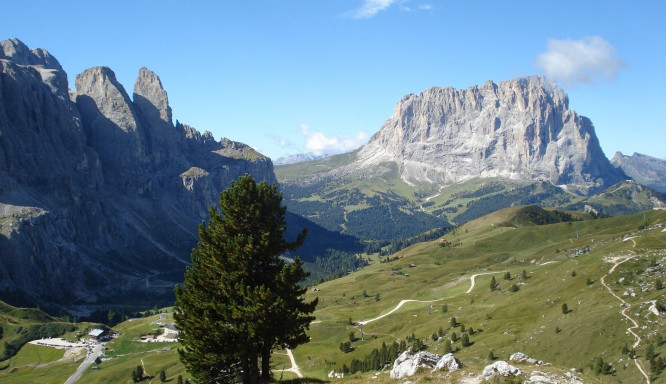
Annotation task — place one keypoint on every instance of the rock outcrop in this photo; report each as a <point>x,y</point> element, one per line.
<point>501,368</point>
<point>520,129</point>
<point>408,363</point>
<point>520,357</point>
<point>100,194</point>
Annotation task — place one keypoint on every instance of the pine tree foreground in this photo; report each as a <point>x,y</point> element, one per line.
<point>240,299</point>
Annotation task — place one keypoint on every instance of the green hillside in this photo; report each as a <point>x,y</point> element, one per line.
<point>529,320</point>
<point>567,262</point>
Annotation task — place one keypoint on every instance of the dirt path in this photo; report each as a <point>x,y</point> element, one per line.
<point>472,279</point>
<point>403,302</point>
<point>294,367</point>
<point>632,240</point>
<point>627,306</point>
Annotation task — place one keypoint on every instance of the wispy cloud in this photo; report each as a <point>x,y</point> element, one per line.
<point>318,143</point>
<point>371,8</point>
<point>580,61</point>
<point>281,141</point>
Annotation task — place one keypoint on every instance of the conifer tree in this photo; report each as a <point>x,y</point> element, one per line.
<point>240,299</point>
<point>493,283</point>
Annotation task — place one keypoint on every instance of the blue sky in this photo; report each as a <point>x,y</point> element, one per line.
<point>323,75</point>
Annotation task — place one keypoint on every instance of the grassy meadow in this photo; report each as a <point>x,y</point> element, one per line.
<point>550,265</point>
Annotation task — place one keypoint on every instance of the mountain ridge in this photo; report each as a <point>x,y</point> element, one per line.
<point>100,194</point>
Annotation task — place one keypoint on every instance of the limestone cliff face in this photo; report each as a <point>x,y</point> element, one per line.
<point>519,129</point>
<point>100,194</point>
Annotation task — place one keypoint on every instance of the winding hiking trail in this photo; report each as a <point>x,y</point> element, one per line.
<point>472,279</point>
<point>364,322</point>
<point>627,306</point>
<point>294,367</point>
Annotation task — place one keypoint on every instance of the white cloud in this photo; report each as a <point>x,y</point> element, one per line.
<point>319,144</point>
<point>371,8</point>
<point>580,61</point>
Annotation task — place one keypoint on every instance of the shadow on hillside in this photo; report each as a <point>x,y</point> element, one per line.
<point>305,380</point>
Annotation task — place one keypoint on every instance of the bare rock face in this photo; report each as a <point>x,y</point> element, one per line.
<point>150,96</point>
<point>501,368</point>
<point>100,195</point>
<point>408,363</point>
<point>647,170</point>
<point>521,129</point>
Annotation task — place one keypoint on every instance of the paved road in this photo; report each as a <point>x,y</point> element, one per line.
<point>86,363</point>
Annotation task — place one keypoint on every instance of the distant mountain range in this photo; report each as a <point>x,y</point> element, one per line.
<point>449,156</point>
<point>645,169</point>
<point>297,158</point>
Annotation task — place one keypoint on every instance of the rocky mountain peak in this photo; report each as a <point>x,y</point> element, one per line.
<point>52,74</point>
<point>150,96</point>
<point>112,125</point>
<point>520,128</point>
<point>85,177</point>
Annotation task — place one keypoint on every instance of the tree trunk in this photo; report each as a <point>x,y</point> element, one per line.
<point>265,365</point>
<point>250,371</point>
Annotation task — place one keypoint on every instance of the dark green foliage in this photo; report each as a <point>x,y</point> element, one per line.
<point>434,336</point>
<point>453,322</point>
<point>462,327</point>
<point>493,283</point>
<point>137,374</point>
<point>179,380</point>
<point>514,288</point>
<point>589,281</point>
<point>598,366</point>
<point>34,332</point>
<point>558,330</point>
<point>507,276</point>
<point>464,339</point>
<point>657,365</point>
<point>649,352</point>
<point>573,273</point>
<point>333,264</point>
<point>390,222</point>
<point>441,332</point>
<point>445,308</point>
<point>377,359</point>
<point>565,308</point>
<point>454,337</point>
<point>524,275</point>
<point>346,346</point>
<point>417,345</point>
<point>162,376</point>
<point>658,285</point>
<point>447,346</point>
<point>240,299</point>
<point>392,246</point>
<point>352,336</point>
<point>491,355</point>
<point>625,349</point>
